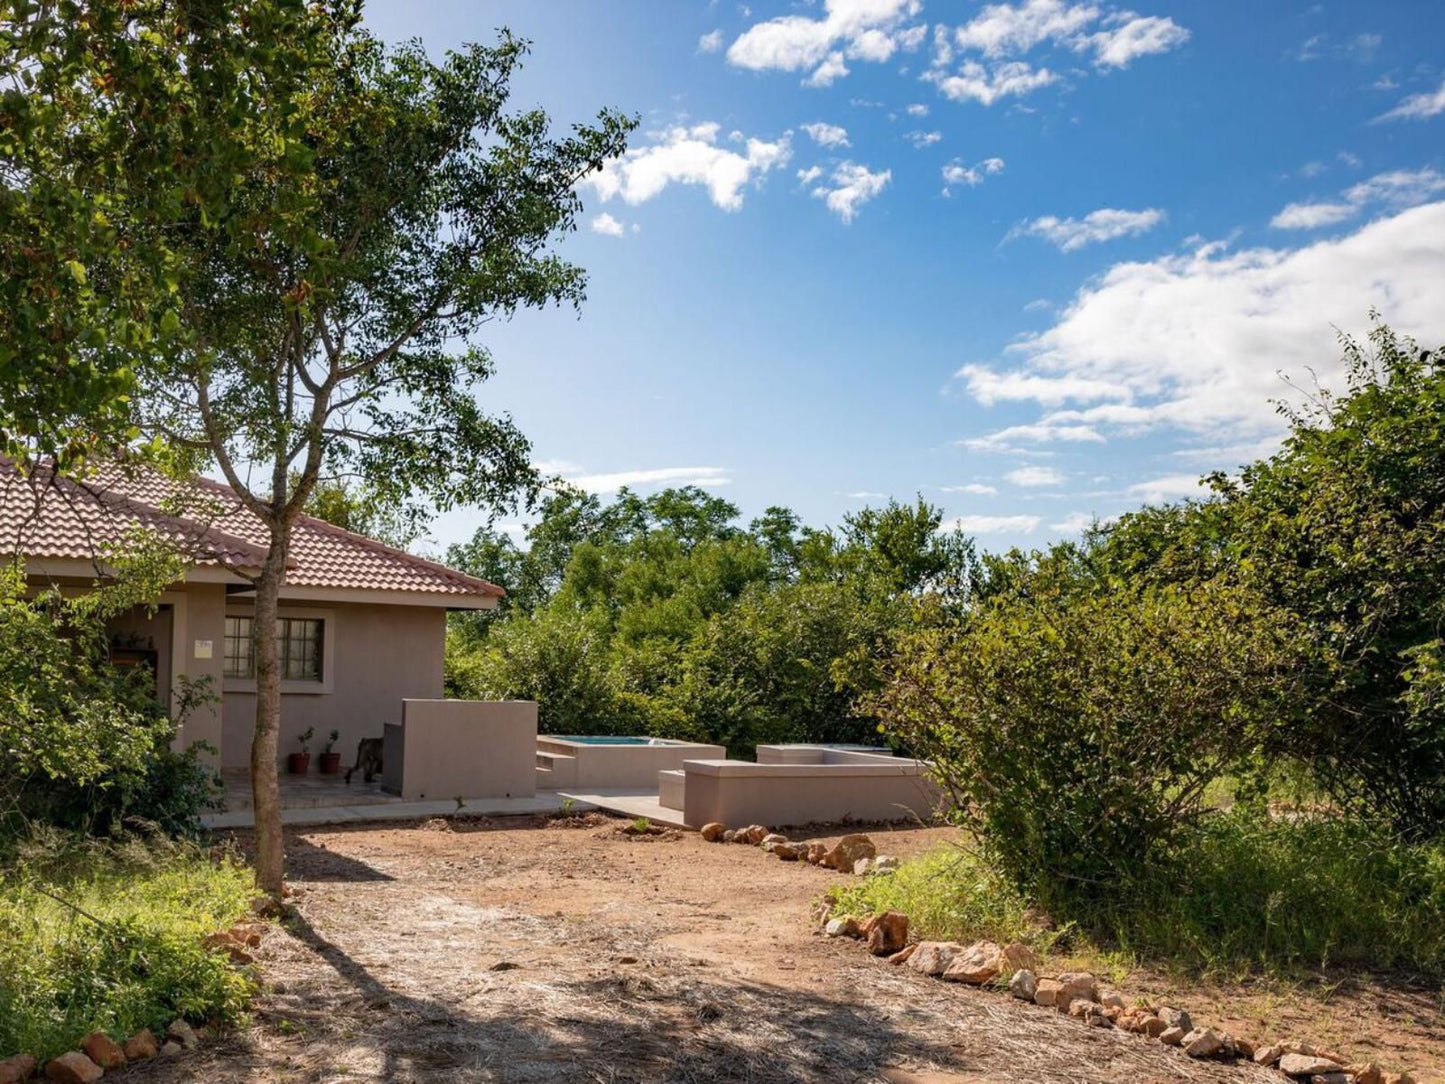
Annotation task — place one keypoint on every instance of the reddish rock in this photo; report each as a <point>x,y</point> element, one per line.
<point>1075,986</point>
<point>902,956</point>
<point>1048,991</point>
<point>980,963</point>
<point>752,835</point>
<point>816,853</point>
<point>141,1045</point>
<point>933,957</point>
<point>886,933</point>
<point>713,831</point>
<point>73,1067</point>
<point>1307,1065</point>
<point>103,1050</point>
<point>844,854</point>
<point>17,1068</point>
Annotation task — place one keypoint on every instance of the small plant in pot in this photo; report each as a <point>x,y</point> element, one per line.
<point>330,763</point>
<point>300,763</point>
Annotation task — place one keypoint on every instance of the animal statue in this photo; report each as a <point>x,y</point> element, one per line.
<point>368,760</point>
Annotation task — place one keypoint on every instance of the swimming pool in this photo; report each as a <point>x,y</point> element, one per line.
<point>597,761</point>
<point>605,739</point>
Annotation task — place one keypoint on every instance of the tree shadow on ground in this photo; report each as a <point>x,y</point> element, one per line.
<point>663,1030</point>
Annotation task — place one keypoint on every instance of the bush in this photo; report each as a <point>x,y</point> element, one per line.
<point>1242,891</point>
<point>1075,732</point>
<point>124,950</point>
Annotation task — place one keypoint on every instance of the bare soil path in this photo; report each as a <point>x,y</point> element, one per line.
<point>499,951</point>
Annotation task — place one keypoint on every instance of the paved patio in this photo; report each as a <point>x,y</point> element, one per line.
<point>326,799</point>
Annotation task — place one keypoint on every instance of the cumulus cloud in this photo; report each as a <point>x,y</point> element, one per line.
<point>867,30</point>
<point>1168,488</point>
<point>606,224</point>
<point>1035,476</point>
<point>1396,189</point>
<point>827,135</point>
<point>978,489</point>
<point>1418,106</point>
<point>655,477</point>
<point>956,173</point>
<point>1005,33</point>
<point>850,186</point>
<point>1017,438</point>
<point>918,109</point>
<point>710,42</point>
<point>995,524</point>
<point>1105,224</point>
<point>924,139</point>
<point>811,174</point>
<point>1200,343</point>
<point>1074,522</point>
<point>975,83</point>
<point>990,387</point>
<point>684,155</point>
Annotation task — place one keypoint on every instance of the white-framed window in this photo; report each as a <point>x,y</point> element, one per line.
<point>300,649</point>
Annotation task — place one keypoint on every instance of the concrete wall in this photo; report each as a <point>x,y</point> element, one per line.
<point>857,786</point>
<point>378,656</point>
<point>625,767</point>
<point>467,749</point>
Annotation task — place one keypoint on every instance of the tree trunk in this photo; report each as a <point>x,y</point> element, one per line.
<point>265,788</point>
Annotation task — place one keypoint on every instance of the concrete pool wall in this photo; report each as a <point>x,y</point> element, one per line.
<point>564,764</point>
<point>801,784</point>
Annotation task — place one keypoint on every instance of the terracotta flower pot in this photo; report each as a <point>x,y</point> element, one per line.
<point>330,764</point>
<point>298,763</point>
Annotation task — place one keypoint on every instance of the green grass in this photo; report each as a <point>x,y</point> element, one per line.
<point>124,950</point>
<point>1247,894</point>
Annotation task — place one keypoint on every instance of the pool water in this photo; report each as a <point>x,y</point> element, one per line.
<point>601,739</point>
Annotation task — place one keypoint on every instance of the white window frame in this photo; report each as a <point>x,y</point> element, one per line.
<point>293,688</point>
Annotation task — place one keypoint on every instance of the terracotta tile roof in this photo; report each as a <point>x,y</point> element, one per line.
<point>64,518</point>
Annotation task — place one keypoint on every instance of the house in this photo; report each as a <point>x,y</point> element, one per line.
<point>362,625</point>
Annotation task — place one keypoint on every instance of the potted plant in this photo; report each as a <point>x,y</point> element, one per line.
<point>300,763</point>
<point>330,763</point>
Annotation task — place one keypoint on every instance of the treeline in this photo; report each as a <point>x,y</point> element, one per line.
<point>664,615</point>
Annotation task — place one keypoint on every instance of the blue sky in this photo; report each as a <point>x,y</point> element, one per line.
<point>1037,262</point>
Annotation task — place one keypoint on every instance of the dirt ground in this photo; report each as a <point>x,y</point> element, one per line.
<point>518,951</point>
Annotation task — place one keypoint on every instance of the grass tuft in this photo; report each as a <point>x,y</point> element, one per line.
<point>123,950</point>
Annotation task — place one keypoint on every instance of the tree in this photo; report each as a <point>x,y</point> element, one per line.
<point>116,121</point>
<point>319,331</point>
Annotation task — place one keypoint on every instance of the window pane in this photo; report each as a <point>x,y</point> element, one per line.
<point>238,661</point>
<point>299,648</point>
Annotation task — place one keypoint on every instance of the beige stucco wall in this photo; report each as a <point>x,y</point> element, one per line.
<point>198,620</point>
<point>466,749</point>
<point>377,656</point>
<point>735,793</point>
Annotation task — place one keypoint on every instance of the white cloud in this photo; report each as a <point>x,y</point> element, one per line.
<point>827,72</point>
<point>811,174</point>
<point>606,224</point>
<point>1015,437</point>
<point>1105,224</point>
<point>1004,33</point>
<point>1127,37</point>
<point>1159,490</point>
<point>1396,189</point>
<point>989,386</point>
<point>1199,340</point>
<point>1074,522</point>
<point>1418,106</point>
<point>865,495</point>
<point>868,30</point>
<point>1038,304</point>
<point>1035,476</point>
<point>918,109</point>
<point>976,488</point>
<point>956,173</point>
<point>995,524</point>
<point>710,42</point>
<point>653,478</point>
<point>975,83</point>
<point>689,156</point>
<point>924,139</point>
<point>852,185</point>
<point>1309,216</point>
<point>827,135</point>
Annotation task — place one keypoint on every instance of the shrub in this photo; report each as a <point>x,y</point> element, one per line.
<point>1244,892</point>
<point>1075,732</point>
<point>123,950</point>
